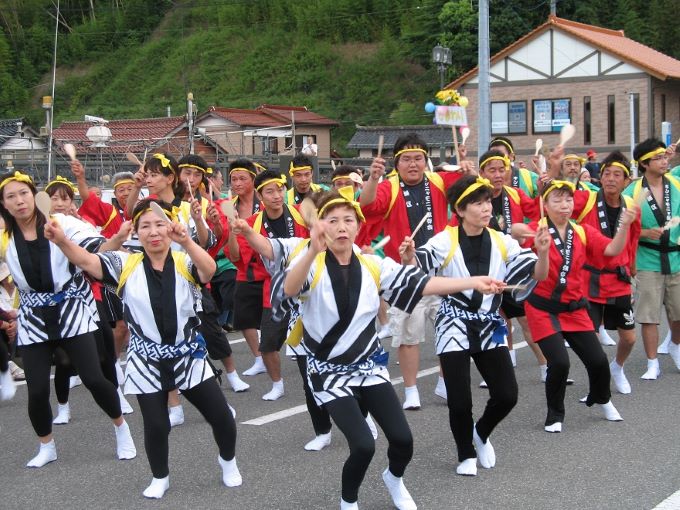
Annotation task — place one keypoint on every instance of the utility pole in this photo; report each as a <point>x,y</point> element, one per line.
<point>50,108</point>
<point>553,7</point>
<point>190,120</point>
<point>631,104</point>
<point>484,93</point>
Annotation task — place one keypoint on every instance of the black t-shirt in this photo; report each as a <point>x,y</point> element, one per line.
<point>415,195</point>
<point>278,226</point>
<point>473,256</point>
<point>612,217</point>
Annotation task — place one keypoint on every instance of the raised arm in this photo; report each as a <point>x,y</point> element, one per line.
<point>205,265</point>
<point>368,191</point>
<point>88,262</point>
<point>257,241</point>
<point>79,174</point>
<point>619,241</point>
<point>297,275</point>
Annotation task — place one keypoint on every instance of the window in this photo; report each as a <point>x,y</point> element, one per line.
<point>586,120</point>
<point>636,116</point>
<point>611,120</point>
<point>551,114</point>
<point>509,118</point>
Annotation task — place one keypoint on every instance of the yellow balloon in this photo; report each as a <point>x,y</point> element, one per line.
<point>463,101</point>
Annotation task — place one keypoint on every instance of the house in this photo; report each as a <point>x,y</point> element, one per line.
<point>267,130</point>
<point>365,140</point>
<point>20,145</point>
<point>568,72</point>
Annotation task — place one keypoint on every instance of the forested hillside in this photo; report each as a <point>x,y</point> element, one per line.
<point>358,61</point>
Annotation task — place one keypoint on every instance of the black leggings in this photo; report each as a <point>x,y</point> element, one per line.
<point>64,370</point>
<point>382,402</point>
<point>4,356</point>
<point>495,367</point>
<point>587,347</point>
<point>321,421</point>
<point>210,402</point>
<point>82,351</point>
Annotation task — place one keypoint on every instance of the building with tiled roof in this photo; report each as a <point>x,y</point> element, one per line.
<point>365,140</point>
<point>267,130</point>
<point>20,144</point>
<point>567,72</point>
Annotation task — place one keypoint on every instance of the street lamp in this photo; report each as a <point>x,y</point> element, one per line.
<point>441,55</point>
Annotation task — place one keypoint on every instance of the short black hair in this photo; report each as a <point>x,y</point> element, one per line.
<point>345,170</point>
<point>144,204</point>
<point>244,163</point>
<point>193,159</point>
<point>459,187</point>
<point>302,160</point>
<point>643,148</point>
<point>265,175</point>
<point>504,141</point>
<point>490,154</point>
<point>615,157</point>
<point>409,140</point>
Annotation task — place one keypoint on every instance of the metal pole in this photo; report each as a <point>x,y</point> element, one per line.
<point>441,76</point>
<point>484,114</point>
<point>190,121</point>
<point>631,104</point>
<point>553,7</point>
<point>50,113</point>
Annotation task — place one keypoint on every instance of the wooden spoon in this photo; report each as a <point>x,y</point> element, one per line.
<point>539,146</point>
<point>567,133</point>
<point>381,142</point>
<point>309,212</point>
<point>227,207</point>
<point>158,211</point>
<point>465,133</point>
<point>44,203</point>
<point>71,151</point>
<point>133,159</point>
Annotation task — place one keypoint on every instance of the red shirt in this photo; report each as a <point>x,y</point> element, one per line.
<point>542,323</point>
<point>395,221</point>
<point>101,214</point>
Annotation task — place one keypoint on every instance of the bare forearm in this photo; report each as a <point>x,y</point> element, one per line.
<point>82,258</point>
<point>259,243</point>
<point>83,188</point>
<point>441,286</point>
<point>541,267</point>
<point>204,263</point>
<point>132,201</point>
<point>618,243</point>
<point>368,192</point>
<point>234,250</point>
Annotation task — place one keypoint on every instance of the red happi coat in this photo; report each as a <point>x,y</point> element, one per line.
<point>388,211</point>
<point>250,259</point>
<point>542,323</point>
<point>600,279</point>
<point>101,214</point>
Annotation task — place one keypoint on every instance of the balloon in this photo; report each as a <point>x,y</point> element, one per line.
<point>429,107</point>
<point>463,101</point>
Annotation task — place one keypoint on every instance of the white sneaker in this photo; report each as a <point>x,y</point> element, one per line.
<point>237,384</point>
<point>653,370</point>
<point>7,387</point>
<point>610,412</point>
<point>231,476</point>
<point>63,414</point>
<point>467,468</point>
<point>620,380</point>
<point>176,415</point>
<point>125,406</point>
<point>319,443</point>
<point>46,454</point>
<point>257,368</point>
<point>275,393</point>
<point>555,428</point>
<point>74,381</point>
<point>485,451</point>
<point>157,488</point>
<point>605,339</point>
<point>371,425</point>
<point>125,446</point>
<point>400,495</point>
<point>412,399</point>
<point>674,351</point>
<point>663,348</point>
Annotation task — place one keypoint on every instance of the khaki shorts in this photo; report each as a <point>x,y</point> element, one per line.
<point>415,327</point>
<point>655,291</point>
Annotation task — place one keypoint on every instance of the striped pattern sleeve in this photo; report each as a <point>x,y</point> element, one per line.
<point>82,233</point>
<point>432,254</point>
<point>401,286</point>
<point>112,267</point>
<point>520,268</point>
<point>281,303</point>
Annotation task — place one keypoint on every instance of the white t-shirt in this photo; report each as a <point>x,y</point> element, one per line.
<point>310,149</point>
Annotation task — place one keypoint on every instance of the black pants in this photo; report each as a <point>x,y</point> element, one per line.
<point>382,402</point>
<point>82,351</point>
<point>321,421</point>
<point>210,402</point>
<point>496,369</point>
<point>4,356</point>
<point>215,338</point>
<point>587,347</point>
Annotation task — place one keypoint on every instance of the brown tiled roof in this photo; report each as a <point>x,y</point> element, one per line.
<point>612,41</point>
<point>127,135</point>
<point>271,115</point>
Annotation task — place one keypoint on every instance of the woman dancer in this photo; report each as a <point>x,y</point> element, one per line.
<point>340,290</point>
<point>161,297</point>
<point>556,310</point>
<point>56,310</point>
<point>468,325</point>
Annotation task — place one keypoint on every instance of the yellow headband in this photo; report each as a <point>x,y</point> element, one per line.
<point>209,171</point>
<point>18,177</point>
<point>123,181</point>
<point>165,162</point>
<point>337,177</point>
<point>496,141</point>
<point>241,169</point>
<point>60,180</point>
<point>259,167</point>
<point>411,149</point>
<point>575,156</point>
<point>292,169</point>
<point>621,166</point>
<point>480,182</point>
<point>346,197</point>
<point>650,155</point>
<point>134,220</point>
<point>558,185</point>
<point>282,181</point>
<point>504,159</point>
<point>187,165</point>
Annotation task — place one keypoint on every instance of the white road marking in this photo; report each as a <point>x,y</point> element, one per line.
<point>672,502</point>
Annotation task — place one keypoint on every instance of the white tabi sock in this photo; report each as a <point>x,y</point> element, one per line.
<point>231,477</point>
<point>544,372</point>
<point>276,391</point>
<point>7,387</point>
<point>610,412</point>
<point>485,451</point>
<point>555,428</point>
<point>63,414</point>
<point>440,389</point>
<point>653,370</point>
<point>125,406</point>
<point>236,383</point>
<point>344,505</point>
<point>663,348</point>
<point>620,379</point>
<point>46,454</point>
<point>412,398</point>
<point>318,443</point>
<point>468,467</point>
<point>674,351</point>
<point>257,368</point>
<point>400,496</point>
<point>371,425</point>
<point>125,446</point>
<point>157,488</point>
<point>176,415</point>
<point>605,339</point>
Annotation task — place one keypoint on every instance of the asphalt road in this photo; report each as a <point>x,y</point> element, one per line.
<point>592,464</point>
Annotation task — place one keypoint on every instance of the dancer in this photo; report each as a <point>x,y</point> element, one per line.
<point>339,299</point>
<point>468,324</point>
<point>301,173</point>
<point>55,311</point>
<point>556,310</point>
<point>160,296</point>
